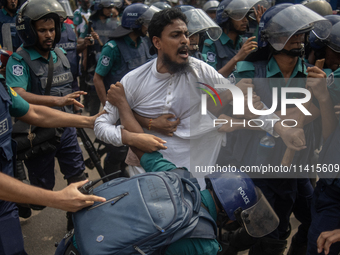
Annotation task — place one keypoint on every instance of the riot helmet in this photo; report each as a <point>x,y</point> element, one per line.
<point>100,4</point>
<point>240,200</point>
<point>236,9</point>
<point>322,7</point>
<point>67,8</point>
<point>280,22</point>
<point>134,17</point>
<point>210,6</point>
<point>333,40</point>
<point>161,5</point>
<point>199,21</point>
<point>34,10</point>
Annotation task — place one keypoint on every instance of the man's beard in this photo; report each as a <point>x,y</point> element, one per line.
<point>174,67</point>
<point>40,47</point>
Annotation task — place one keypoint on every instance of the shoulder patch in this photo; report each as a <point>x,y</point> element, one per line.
<point>110,44</point>
<point>211,57</point>
<point>243,66</point>
<point>105,60</point>
<point>18,70</point>
<point>13,92</point>
<point>330,79</point>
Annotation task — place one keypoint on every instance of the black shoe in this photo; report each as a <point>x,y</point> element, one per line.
<point>37,207</point>
<point>297,248</point>
<point>24,212</point>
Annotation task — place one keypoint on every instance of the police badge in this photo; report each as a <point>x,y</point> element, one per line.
<point>211,57</point>
<point>330,79</point>
<point>105,61</point>
<point>18,70</point>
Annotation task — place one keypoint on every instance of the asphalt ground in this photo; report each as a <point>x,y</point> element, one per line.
<point>46,227</point>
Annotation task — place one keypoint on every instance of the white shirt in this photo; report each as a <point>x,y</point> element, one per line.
<point>151,94</point>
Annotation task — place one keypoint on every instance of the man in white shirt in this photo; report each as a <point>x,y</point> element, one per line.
<point>169,85</point>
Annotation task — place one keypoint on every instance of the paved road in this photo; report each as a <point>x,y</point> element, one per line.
<point>44,228</point>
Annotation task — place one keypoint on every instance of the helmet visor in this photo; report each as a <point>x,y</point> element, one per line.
<point>260,219</point>
<point>333,40</point>
<point>238,9</point>
<point>148,14</point>
<point>199,21</point>
<point>67,8</point>
<point>290,21</point>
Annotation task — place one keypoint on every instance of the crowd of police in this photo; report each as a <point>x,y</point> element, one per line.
<point>149,57</point>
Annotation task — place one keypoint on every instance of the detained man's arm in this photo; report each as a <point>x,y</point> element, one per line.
<point>133,133</point>
<point>50,101</point>
<point>326,239</point>
<point>68,199</point>
<point>43,116</point>
<point>98,81</point>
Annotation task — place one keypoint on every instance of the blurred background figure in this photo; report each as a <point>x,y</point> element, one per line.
<point>210,7</point>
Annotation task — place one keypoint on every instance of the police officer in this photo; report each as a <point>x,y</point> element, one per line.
<point>199,24</point>
<point>321,7</point>
<point>104,22</point>
<point>210,7</point>
<point>281,35</point>
<point>232,16</point>
<point>7,15</point>
<point>13,190</point>
<point>27,72</point>
<point>161,5</point>
<point>325,206</point>
<point>128,49</point>
<point>83,10</point>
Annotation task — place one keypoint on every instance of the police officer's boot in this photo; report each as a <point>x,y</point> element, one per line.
<point>268,246</point>
<point>297,248</point>
<point>73,179</point>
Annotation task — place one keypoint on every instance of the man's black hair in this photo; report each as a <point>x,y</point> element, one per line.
<point>162,19</point>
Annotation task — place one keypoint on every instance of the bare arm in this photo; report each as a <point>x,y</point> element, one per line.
<point>100,87</point>
<point>42,116</point>
<point>68,199</point>
<point>50,101</point>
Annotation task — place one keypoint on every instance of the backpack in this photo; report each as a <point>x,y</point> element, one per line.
<point>142,215</point>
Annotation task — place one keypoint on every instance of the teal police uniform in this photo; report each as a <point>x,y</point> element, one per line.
<point>68,152</point>
<point>221,51</point>
<point>11,104</point>
<point>325,207</point>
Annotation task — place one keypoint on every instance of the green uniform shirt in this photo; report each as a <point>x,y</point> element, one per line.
<point>247,70</point>
<point>77,18</point>
<point>110,57</point>
<point>19,106</point>
<point>18,72</point>
<point>154,162</point>
<point>209,48</point>
<point>63,27</point>
<point>333,84</point>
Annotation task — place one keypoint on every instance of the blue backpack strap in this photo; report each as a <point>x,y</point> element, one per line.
<point>184,173</point>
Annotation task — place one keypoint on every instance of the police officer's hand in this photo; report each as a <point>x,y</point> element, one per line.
<point>163,125</point>
<point>316,81</point>
<point>88,41</point>
<point>94,35</point>
<point>70,99</point>
<point>259,12</point>
<point>146,142</point>
<point>247,47</point>
<point>257,104</point>
<point>116,95</point>
<point>294,138</point>
<point>326,239</point>
<point>93,118</point>
<point>71,200</point>
<point>244,84</point>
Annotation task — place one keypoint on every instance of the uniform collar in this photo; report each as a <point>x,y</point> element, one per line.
<point>273,68</point>
<point>63,27</point>
<point>34,54</point>
<point>6,13</point>
<point>225,39</point>
<point>131,43</point>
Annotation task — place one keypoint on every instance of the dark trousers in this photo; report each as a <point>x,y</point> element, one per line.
<point>325,216</point>
<point>70,159</point>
